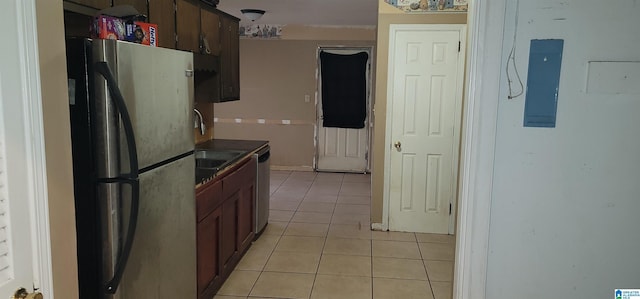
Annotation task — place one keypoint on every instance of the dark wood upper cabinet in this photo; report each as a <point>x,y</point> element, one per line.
<point>188,25</point>
<point>210,30</point>
<point>230,59</point>
<point>163,13</point>
<point>97,4</point>
<point>139,5</point>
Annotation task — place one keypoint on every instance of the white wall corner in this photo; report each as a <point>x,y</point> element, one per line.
<point>486,25</point>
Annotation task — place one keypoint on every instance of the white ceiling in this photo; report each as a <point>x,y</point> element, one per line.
<point>308,12</point>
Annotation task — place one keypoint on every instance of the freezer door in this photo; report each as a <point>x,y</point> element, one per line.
<point>157,86</point>
<point>162,263</point>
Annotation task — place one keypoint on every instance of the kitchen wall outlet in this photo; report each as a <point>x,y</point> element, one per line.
<point>261,121</point>
<point>238,120</point>
<point>286,122</point>
<point>215,119</point>
<point>307,98</point>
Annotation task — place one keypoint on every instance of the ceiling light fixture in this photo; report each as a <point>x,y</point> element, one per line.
<point>252,14</point>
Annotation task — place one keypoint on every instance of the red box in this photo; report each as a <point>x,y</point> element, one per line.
<point>142,33</point>
<point>107,27</point>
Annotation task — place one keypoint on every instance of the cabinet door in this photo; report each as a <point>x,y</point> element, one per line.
<point>163,13</point>
<point>98,4</point>
<point>229,231</point>
<point>188,25</point>
<point>210,29</point>
<point>209,232</point>
<point>230,62</point>
<point>246,209</point>
<point>139,5</point>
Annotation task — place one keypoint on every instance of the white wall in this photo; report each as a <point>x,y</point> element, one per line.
<point>565,212</point>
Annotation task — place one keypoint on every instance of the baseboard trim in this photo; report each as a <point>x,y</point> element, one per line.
<point>379,227</point>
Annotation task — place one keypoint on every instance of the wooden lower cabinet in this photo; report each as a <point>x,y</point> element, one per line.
<point>229,232</point>
<point>208,238</point>
<point>246,214</point>
<point>225,228</point>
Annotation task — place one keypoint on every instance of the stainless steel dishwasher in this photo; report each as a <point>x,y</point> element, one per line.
<point>262,189</point>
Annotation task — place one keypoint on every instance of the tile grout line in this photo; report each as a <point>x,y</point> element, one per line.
<point>433,295</point>
<point>315,277</point>
<point>296,211</point>
<point>371,252</point>
<point>274,247</point>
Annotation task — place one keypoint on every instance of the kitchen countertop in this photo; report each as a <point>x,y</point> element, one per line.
<point>249,146</point>
<point>232,144</point>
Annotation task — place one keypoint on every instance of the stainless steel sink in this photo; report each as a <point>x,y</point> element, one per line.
<point>216,160</point>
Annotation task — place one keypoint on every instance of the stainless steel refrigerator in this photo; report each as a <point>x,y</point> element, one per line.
<point>132,131</point>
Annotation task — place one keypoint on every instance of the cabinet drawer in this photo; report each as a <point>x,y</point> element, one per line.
<point>208,199</point>
<point>235,180</point>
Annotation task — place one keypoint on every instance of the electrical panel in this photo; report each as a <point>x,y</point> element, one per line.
<point>543,80</point>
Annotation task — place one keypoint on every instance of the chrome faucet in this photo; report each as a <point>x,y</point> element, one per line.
<point>200,124</point>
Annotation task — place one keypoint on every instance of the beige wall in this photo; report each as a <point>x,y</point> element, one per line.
<point>306,32</point>
<point>388,15</point>
<point>55,106</point>
<point>275,76</point>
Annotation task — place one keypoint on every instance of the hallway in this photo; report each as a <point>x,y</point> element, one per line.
<point>318,245</point>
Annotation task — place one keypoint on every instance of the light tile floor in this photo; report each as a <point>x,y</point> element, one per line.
<point>318,245</point>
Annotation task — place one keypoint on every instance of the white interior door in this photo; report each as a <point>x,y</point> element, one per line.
<point>21,156</point>
<point>339,149</point>
<point>423,125</point>
<point>16,268</point>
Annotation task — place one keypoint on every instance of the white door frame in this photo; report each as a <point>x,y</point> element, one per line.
<point>369,119</point>
<point>389,117</point>
<point>35,166</point>
<point>486,23</point>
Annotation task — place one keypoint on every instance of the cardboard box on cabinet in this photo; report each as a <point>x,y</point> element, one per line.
<point>108,27</point>
<point>142,33</point>
<point>128,29</point>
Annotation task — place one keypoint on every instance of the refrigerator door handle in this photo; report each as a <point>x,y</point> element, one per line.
<point>132,178</point>
<point>111,286</point>
<point>103,69</point>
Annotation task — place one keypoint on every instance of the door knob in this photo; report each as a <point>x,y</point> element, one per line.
<point>398,145</point>
<point>22,293</point>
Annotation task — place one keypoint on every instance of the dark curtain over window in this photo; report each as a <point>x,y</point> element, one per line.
<point>344,88</point>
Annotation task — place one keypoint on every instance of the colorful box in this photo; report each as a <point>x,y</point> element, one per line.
<point>142,33</point>
<point>108,27</point>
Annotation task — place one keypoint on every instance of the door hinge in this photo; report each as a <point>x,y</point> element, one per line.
<point>459,45</point>
<point>449,209</point>
<point>175,7</point>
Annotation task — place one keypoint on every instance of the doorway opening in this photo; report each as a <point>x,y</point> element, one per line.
<point>343,109</point>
